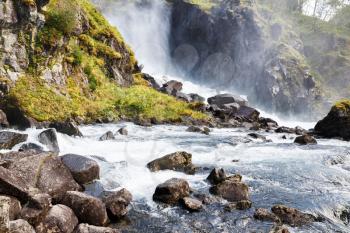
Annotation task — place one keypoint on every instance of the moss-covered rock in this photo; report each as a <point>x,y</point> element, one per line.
<point>69,62</point>
<point>337,122</point>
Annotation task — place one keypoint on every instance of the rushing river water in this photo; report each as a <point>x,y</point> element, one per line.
<point>312,178</point>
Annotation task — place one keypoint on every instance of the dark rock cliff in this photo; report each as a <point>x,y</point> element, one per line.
<point>232,47</point>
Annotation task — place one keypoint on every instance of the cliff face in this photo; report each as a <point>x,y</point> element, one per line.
<point>235,47</point>
<point>61,59</point>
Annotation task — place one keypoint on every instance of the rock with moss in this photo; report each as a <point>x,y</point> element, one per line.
<point>337,123</point>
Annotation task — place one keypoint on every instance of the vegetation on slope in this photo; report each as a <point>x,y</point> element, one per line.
<point>78,37</point>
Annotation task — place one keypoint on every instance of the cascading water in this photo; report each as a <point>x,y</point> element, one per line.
<point>312,178</point>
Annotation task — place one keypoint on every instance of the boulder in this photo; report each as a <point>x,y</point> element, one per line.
<point>171,191</point>
<point>216,176</point>
<point>8,158</point>
<point>85,228</point>
<point>36,209</point>
<point>231,190</point>
<point>305,140</point>
<point>4,214</point>
<point>240,205</point>
<point>196,98</point>
<point>265,215</point>
<point>151,80</point>
<point>60,219</point>
<point>182,96</point>
<point>67,127</point>
<point>284,129</point>
<point>9,139</point>
<point>178,161</point>
<point>171,88</point>
<point>13,185</point>
<point>31,147</point>
<point>196,129</point>
<point>46,172</point>
<point>21,226</point>
<point>192,204</point>
<point>292,216</point>
<point>107,136</point>
<point>223,99</point>
<point>87,208</point>
<point>49,138</point>
<point>117,203</point>
<point>300,131</point>
<point>248,113</point>
<point>268,123</point>
<point>336,123</point>
<point>15,207</point>
<point>3,120</point>
<point>123,131</point>
<point>83,169</point>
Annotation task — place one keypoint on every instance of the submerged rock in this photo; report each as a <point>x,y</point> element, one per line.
<point>107,136</point>
<point>49,138</point>
<point>336,123</point>
<point>192,204</point>
<point>171,191</point>
<point>196,129</point>
<point>292,216</point>
<point>67,127</point>
<point>9,139</point>
<point>305,140</point>
<point>123,131</point>
<point>85,228</point>
<point>88,209</point>
<point>178,161</point>
<point>117,203</point>
<point>84,170</point>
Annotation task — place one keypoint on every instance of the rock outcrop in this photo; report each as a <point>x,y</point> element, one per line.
<point>337,123</point>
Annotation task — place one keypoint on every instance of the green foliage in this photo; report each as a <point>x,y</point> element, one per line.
<point>78,56</point>
<point>64,16</point>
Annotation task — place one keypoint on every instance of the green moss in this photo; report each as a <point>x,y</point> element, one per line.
<point>343,105</point>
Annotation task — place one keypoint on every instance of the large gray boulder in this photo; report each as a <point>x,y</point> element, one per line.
<point>171,191</point>
<point>83,169</point>
<point>31,147</point>
<point>223,100</point>
<point>46,172</point>
<point>87,208</point>
<point>85,228</point>
<point>179,161</point>
<point>67,127</point>
<point>49,138</point>
<point>117,203</point>
<point>8,158</point>
<point>60,219</point>
<point>9,139</point>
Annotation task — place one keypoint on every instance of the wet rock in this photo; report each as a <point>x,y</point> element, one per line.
<point>196,98</point>
<point>231,190</point>
<point>171,191</point>
<point>268,123</point>
<point>171,88</point>
<point>9,139</point>
<point>336,123</point>
<point>31,146</point>
<point>151,80</point>
<point>49,138</point>
<point>143,122</point>
<point>87,208</point>
<point>183,97</point>
<point>83,169</point>
<point>240,205</point>
<point>7,159</point>
<point>248,113</point>
<point>67,127</point>
<point>216,176</point>
<point>117,203</point>
<point>123,131</point>
<point>46,172</point>
<point>12,184</point>
<point>196,129</point>
<point>305,140</point>
<point>21,226</point>
<point>300,131</point>
<point>36,209</point>
<point>224,99</point>
<point>60,219</point>
<point>15,207</point>
<point>107,136</point>
<point>265,215</point>
<point>192,204</point>
<point>279,229</point>
<point>85,228</point>
<point>292,216</point>
<point>3,120</point>
<point>95,188</point>
<point>284,129</point>
<point>178,161</point>
<point>257,136</point>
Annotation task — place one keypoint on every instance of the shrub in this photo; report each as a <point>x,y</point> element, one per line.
<point>63,17</point>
